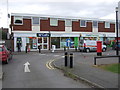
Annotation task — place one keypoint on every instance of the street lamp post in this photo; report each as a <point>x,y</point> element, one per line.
<point>49,40</point>
<point>117,51</point>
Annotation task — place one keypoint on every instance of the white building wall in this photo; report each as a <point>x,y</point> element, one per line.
<point>68,29</point>
<point>15,45</point>
<point>95,30</point>
<point>35,28</point>
<point>23,44</point>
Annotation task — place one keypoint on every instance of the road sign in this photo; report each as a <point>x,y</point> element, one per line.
<point>68,42</point>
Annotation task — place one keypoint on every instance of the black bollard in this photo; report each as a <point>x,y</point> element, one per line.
<point>71,60</point>
<point>66,57</point>
<point>39,47</point>
<point>26,49</point>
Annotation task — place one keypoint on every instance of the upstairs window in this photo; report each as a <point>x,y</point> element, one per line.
<point>107,25</point>
<point>18,20</point>
<point>53,22</point>
<point>95,24</point>
<point>35,21</point>
<point>82,23</point>
<point>68,22</point>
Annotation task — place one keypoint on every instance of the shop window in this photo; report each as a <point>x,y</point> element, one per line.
<point>45,39</point>
<point>53,22</point>
<point>27,40</point>
<point>55,41</point>
<point>63,42</point>
<point>107,25</point>
<point>68,22</point>
<point>95,23</point>
<point>82,23</point>
<point>18,20</point>
<point>35,21</point>
<point>40,40</point>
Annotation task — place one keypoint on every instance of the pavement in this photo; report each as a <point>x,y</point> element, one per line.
<point>83,69</point>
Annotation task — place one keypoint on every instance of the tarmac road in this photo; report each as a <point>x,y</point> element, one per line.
<point>41,75</point>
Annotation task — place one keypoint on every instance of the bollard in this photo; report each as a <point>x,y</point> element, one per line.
<point>64,48</point>
<point>94,61</point>
<point>71,60</point>
<point>66,57</point>
<point>39,47</point>
<point>26,49</point>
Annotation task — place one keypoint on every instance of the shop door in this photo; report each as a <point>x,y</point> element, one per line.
<point>43,42</point>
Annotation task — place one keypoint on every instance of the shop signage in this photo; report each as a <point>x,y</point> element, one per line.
<point>43,34</point>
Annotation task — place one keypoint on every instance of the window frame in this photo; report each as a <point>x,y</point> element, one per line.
<point>85,23</point>
<point>53,24</point>
<point>93,24</point>
<point>107,24</point>
<point>66,22</point>
<point>15,20</point>
<point>38,18</point>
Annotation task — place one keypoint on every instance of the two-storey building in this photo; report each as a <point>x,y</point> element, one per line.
<point>34,30</point>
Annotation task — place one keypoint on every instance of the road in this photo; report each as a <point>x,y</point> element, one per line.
<point>41,75</point>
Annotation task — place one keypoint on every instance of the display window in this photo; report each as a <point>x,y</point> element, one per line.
<point>55,41</point>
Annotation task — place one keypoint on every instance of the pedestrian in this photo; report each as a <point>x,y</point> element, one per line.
<point>19,47</point>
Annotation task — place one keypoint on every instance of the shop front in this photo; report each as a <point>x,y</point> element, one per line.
<point>60,40</point>
<point>32,41</point>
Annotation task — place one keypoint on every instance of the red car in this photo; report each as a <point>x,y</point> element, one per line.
<point>5,54</point>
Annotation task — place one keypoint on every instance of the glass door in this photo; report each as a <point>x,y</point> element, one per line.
<point>43,42</point>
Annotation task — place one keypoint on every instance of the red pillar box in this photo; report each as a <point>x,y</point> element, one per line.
<point>99,48</point>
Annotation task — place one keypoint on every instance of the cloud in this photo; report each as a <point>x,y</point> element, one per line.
<point>110,16</point>
<point>77,8</point>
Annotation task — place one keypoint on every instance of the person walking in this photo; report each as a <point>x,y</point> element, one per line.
<point>19,47</point>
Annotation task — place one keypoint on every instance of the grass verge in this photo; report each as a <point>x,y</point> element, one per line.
<point>115,68</point>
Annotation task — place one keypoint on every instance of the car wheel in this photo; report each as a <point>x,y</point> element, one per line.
<point>104,50</point>
<point>87,50</point>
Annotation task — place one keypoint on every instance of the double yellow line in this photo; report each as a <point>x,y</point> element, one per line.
<point>48,63</point>
<point>49,66</point>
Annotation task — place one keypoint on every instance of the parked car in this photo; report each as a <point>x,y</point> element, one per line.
<point>5,54</point>
<point>90,45</point>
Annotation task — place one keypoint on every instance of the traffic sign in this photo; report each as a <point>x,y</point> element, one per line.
<point>68,42</point>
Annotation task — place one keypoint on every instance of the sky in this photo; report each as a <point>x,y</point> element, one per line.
<point>101,9</point>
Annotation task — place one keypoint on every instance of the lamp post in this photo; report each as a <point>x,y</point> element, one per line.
<point>49,40</point>
<point>117,51</point>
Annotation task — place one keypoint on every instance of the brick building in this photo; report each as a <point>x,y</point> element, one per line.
<point>34,30</point>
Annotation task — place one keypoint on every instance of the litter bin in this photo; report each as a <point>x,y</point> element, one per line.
<point>53,48</point>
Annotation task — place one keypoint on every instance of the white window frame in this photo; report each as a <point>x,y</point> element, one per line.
<point>106,23</point>
<point>68,21</point>
<point>85,23</point>
<point>15,20</point>
<point>93,24</point>
<point>52,24</point>
<point>36,24</point>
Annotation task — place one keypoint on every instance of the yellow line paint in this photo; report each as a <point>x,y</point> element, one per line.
<point>48,63</point>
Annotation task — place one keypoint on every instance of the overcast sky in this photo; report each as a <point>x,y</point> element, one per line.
<point>103,9</point>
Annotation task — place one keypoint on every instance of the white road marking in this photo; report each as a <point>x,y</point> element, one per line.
<point>26,68</point>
